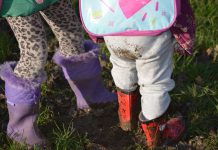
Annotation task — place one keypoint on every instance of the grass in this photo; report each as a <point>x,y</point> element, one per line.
<point>65,138</point>
<point>206,15</point>
<point>196,93</point>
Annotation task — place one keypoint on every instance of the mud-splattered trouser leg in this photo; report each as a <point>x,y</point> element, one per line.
<point>31,36</point>
<point>147,62</point>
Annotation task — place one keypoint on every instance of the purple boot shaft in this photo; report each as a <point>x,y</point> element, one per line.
<point>83,73</point>
<point>23,106</point>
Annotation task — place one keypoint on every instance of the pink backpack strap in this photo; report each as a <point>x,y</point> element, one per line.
<point>96,39</point>
<point>184,29</point>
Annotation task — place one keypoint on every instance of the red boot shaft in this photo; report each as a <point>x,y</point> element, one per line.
<point>127,109</point>
<point>152,132</point>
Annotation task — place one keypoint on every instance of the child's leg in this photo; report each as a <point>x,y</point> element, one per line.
<point>125,78</point>
<point>78,59</point>
<point>31,37</point>
<point>124,73</point>
<point>154,72</point>
<point>23,80</point>
<point>66,26</point>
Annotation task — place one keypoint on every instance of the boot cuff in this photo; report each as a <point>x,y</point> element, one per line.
<point>7,74</point>
<point>91,49</point>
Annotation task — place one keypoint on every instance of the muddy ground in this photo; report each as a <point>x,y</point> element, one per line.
<point>101,125</point>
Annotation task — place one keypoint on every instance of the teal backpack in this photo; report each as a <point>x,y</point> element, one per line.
<point>140,18</point>
<point>14,8</point>
<point>128,17</point>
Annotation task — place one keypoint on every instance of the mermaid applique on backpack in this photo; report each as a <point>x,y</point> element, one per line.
<point>131,17</point>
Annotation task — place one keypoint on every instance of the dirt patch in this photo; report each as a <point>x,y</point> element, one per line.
<point>102,128</point>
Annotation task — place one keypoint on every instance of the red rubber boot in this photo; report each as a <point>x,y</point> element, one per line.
<point>173,130</point>
<point>160,131</point>
<point>153,133</point>
<point>127,109</point>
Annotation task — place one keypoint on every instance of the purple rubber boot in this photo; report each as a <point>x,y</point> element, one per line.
<point>23,106</point>
<point>83,73</point>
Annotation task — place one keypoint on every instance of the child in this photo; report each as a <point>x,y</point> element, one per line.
<point>78,59</point>
<point>144,61</point>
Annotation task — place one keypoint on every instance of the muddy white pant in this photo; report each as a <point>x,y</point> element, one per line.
<point>145,61</point>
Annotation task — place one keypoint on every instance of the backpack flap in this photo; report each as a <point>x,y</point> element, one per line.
<point>128,17</point>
